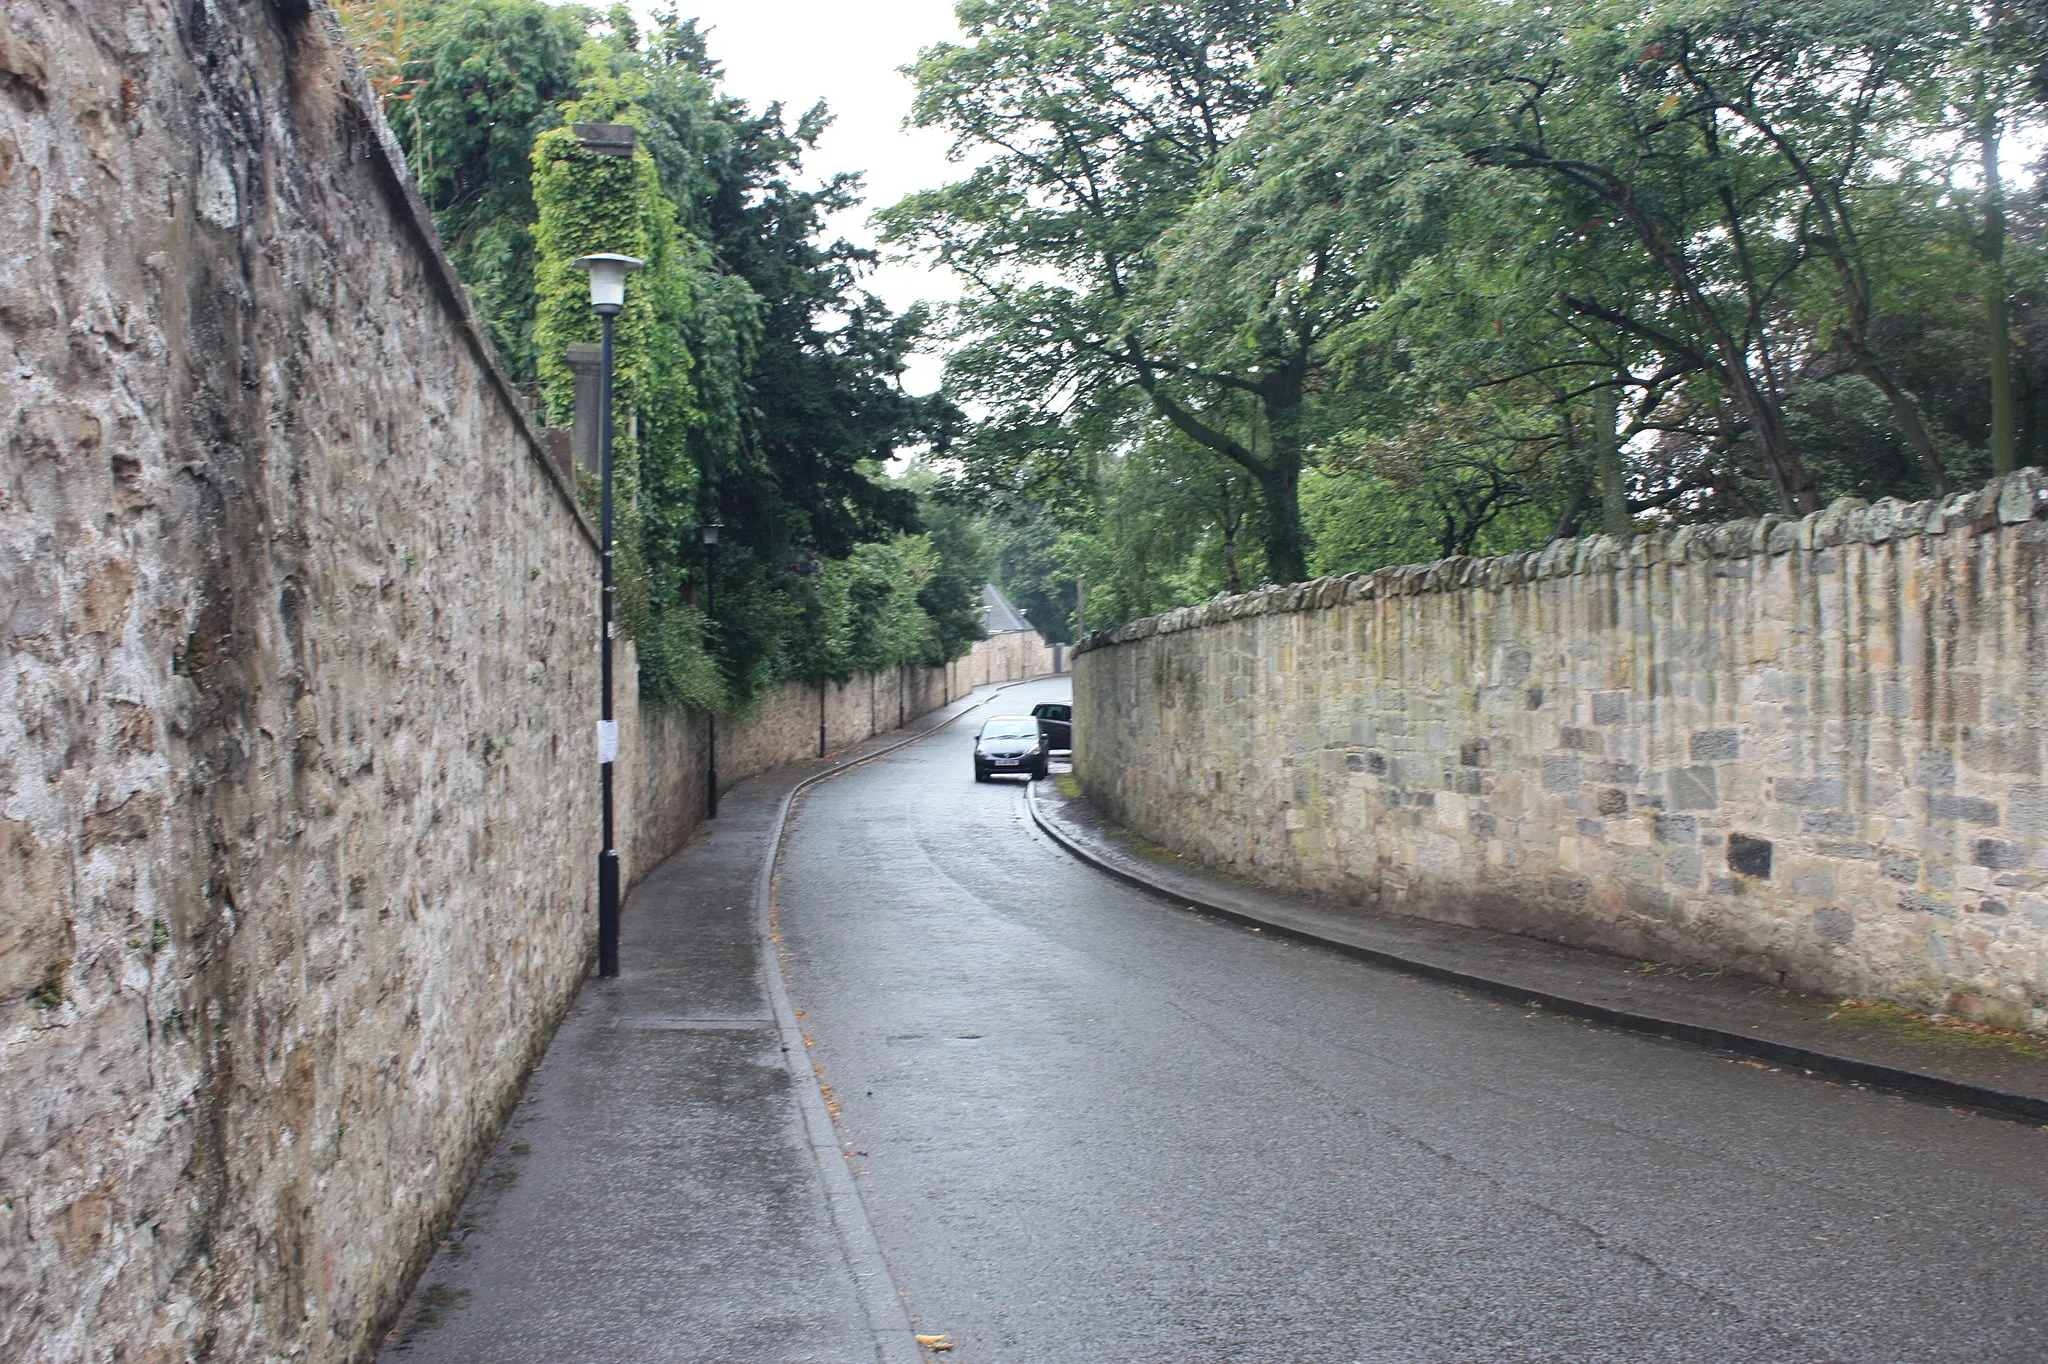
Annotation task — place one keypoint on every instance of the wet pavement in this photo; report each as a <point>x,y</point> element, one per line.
<point>1090,1125</point>
<point>1864,1044</point>
<point>669,1188</point>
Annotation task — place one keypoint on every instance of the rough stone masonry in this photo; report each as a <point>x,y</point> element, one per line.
<point>1810,751</point>
<point>298,812</point>
<point>298,674</point>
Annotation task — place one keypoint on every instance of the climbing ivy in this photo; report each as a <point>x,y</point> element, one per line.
<point>757,385</point>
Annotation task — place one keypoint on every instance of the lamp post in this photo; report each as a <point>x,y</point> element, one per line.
<point>607,298</point>
<point>707,535</point>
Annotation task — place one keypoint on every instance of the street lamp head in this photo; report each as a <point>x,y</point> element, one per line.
<point>608,279</point>
<point>708,533</point>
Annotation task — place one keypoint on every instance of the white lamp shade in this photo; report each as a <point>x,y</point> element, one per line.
<point>608,278</point>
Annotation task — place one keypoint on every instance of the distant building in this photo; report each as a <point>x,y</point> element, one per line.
<point>1003,618</point>
<point>1010,632</point>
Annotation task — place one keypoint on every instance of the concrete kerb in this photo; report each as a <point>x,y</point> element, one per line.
<point>1876,1075</point>
<point>888,1318</point>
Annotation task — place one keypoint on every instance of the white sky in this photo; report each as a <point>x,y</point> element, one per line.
<point>846,53</point>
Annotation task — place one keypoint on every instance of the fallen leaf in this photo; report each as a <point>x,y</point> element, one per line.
<point>936,1342</point>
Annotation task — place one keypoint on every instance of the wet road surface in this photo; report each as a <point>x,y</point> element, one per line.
<point>1091,1126</point>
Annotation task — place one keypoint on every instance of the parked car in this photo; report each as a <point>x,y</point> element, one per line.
<point>1057,717</point>
<point>1010,744</point>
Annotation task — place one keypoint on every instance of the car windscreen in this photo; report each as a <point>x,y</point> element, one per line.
<point>1010,729</point>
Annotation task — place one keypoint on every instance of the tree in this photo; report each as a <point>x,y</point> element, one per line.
<point>1093,125</point>
<point>762,385</point>
<point>471,84</point>
<point>1660,193</point>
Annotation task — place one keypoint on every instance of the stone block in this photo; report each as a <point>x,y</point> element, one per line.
<point>1967,809</point>
<point>1560,774</point>
<point>1581,740</point>
<point>1835,823</point>
<point>1610,708</point>
<point>1935,768</point>
<point>1684,867</point>
<point>1621,774</point>
<point>1677,829</point>
<point>1749,855</point>
<point>1716,745</point>
<point>2027,812</point>
<point>1814,882</point>
<point>2000,854</point>
<point>1832,925</point>
<point>1634,864</point>
<point>1692,788</point>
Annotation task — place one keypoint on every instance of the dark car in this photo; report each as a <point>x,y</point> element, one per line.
<point>1012,744</point>
<point>1057,718</point>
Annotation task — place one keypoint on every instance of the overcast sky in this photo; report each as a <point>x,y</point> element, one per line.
<point>845,52</point>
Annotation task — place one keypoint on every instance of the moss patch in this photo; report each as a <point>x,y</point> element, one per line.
<point>1068,787</point>
<point>1142,846</point>
<point>1907,1025</point>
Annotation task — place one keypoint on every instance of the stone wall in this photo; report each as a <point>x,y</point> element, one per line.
<point>1810,751</point>
<point>658,788</point>
<point>298,808</point>
<point>298,799</point>
<point>802,720</point>
<point>1000,658</point>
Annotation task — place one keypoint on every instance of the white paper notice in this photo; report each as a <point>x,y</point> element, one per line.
<point>607,741</point>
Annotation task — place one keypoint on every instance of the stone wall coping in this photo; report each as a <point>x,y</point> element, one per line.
<point>2013,499</point>
<point>415,214</point>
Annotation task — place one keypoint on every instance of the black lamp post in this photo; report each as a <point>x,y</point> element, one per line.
<point>707,535</point>
<point>608,298</point>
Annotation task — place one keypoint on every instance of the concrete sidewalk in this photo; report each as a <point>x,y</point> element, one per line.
<point>1879,1048</point>
<point>669,1187</point>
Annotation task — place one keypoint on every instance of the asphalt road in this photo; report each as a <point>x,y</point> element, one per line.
<point>1092,1126</point>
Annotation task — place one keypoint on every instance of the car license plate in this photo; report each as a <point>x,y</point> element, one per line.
<point>1006,762</point>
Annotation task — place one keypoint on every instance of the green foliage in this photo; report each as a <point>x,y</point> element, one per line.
<point>952,596</point>
<point>757,386</point>
<point>469,85</point>
<point>1478,272</point>
<point>865,615</point>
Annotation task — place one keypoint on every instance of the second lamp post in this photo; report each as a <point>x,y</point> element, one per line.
<point>607,298</point>
<point>708,535</point>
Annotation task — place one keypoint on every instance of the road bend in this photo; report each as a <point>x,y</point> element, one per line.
<point>1089,1125</point>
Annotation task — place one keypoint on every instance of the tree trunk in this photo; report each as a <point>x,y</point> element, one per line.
<point>1606,446</point>
<point>1999,325</point>
<point>1909,417</point>
<point>1794,485</point>
<point>1229,522</point>
<point>1281,397</point>
<point>1286,555</point>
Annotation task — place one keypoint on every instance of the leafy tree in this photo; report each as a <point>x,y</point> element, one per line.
<point>471,84</point>
<point>760,385</point>
<point>1092,127</point>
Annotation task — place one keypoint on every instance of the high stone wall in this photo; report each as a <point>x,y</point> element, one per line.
<point>1810,751</point>
<point>295,713</point>
<point>800,720</point>
<point>298,799</point>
